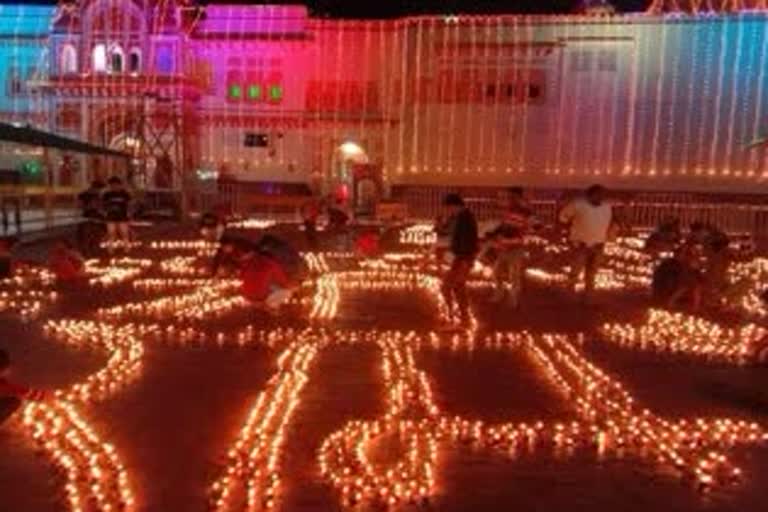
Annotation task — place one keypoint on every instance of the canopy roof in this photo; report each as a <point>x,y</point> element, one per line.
<point>34,137</point>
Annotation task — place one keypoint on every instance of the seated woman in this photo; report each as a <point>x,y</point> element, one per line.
<point>66,263</point>
<point>264,282</point>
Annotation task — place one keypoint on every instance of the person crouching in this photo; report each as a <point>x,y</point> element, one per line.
<point>264,282</point>
<point>66,263</point>
<point>12,394</point>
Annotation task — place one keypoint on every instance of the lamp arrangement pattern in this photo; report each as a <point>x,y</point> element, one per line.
<point>607,419</point>
<point>679,333</point>
<point>95,477</point>
<point>27,293</point>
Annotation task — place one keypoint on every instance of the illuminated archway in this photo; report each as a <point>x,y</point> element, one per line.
<point>349,156</point>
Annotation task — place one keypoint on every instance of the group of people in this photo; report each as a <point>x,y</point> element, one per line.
<point>694,268</point>
<point>338,215</point>
<point>102,205</point>
<point>588,218</point>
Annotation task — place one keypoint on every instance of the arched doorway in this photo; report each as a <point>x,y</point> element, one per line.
<point>352,170</point>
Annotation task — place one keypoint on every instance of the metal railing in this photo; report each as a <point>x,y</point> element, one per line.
<point>745,214</point>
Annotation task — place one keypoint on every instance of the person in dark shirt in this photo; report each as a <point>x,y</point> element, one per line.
<point>12,394</point>
<point>116,201</point>
<point>463,248</point>
<point>91,230</point>
<point>90,200</point>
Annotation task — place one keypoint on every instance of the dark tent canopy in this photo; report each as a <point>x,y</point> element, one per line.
<point>34,137</point>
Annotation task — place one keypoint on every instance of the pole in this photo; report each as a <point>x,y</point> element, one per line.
<point>48,191</point>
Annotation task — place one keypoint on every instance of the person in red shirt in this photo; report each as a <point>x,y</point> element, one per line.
<point>12,394</point>
<point>66,263</point>
<point>367,244</point>
<point>265,282</point>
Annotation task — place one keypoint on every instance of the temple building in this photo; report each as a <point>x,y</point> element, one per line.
<point>671,99</point>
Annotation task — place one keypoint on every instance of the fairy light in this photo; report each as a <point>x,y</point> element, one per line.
<point>684,334</point>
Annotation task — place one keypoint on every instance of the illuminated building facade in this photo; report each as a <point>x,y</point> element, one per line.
<point>658,100</point>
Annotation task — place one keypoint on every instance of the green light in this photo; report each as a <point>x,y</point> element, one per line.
<point>31,167</point>
<point>275,92</point>
<point>254,92</point>
<point>235,91</point>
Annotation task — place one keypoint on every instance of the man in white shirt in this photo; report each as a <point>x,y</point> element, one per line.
<point>589,218</point>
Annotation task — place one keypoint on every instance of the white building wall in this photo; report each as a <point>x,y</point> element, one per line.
<point>672,106</point>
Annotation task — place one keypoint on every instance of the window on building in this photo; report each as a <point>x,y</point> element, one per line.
<point>164,59</point>
<point>68,60</point>
<point>116,60</point>
<point>581,60</point>
<point>134,60</point>
<point>607,60</point>
<point>99,58</point>
<point>14,86</point>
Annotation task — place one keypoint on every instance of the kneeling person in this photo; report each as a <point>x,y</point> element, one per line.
<point>12,394</point>
<point>265,282</point>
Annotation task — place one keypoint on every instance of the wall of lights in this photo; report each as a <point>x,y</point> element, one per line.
<point>674,101</point>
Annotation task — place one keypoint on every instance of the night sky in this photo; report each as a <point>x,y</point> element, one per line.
<point>394,8</point>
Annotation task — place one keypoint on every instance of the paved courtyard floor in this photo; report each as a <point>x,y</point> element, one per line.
<point>205,404</point>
